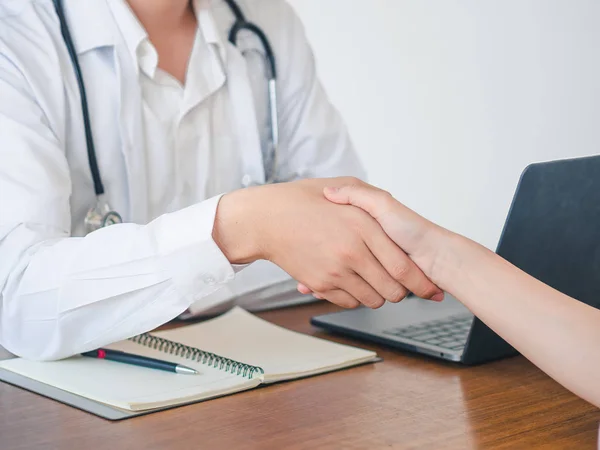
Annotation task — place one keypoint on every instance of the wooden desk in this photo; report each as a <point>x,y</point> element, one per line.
<point>404,402</point>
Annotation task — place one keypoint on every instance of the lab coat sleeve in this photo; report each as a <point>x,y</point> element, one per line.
<point>62,295</point>
<point>314,141</point>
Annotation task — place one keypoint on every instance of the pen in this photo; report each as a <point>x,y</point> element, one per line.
<point>137,360</point>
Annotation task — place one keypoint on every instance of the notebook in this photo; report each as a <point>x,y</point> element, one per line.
<point>233,352</point>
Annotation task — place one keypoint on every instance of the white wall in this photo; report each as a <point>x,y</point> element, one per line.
<point>447,101</point>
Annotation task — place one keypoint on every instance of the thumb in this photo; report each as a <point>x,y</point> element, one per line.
<point>366,197</point>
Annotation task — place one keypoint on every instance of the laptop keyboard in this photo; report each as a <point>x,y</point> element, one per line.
<point>449,332</point>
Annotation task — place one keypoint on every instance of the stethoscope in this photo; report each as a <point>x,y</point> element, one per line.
<point>102,214</point>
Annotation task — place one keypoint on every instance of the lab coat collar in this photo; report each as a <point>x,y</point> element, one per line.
<point>91,24</point>
<point>208,26</point>
<point>134,34</point>
<point>93,27</point>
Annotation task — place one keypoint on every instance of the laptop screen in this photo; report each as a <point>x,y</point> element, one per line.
<point>553,228</point>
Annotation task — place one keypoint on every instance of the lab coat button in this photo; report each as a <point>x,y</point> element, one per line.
<point>209,280</point>
<point>246,180</point>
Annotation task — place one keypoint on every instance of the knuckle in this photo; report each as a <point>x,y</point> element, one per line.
<point>377,303</point>
<point>355,181</point>
<point>351,257</point>
<point>334,273</point>
<point>321,287</point>
<point>427,292</point>
<point>351,181</point>
<point>400,271</point>
<point>398,294</point>
<point>373,302</point>
<point>342,299</point>
<point>385,194</point>
<point>385,201</point>
<point>353,304</point>
<point>387,198</point>
<point>347,255</point>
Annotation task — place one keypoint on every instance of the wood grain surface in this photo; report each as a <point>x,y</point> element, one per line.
<point>405,402</point>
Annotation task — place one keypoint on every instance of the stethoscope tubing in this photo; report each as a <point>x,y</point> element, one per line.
<point>240,24</point>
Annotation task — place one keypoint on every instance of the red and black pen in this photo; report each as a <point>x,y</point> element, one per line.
<point>137,360</point>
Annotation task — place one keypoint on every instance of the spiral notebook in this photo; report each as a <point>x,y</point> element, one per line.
<point>234,352</point>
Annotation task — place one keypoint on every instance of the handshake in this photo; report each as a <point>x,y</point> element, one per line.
<point>343,240</point>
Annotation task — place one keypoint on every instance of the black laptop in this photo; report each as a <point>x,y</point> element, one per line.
<point>552,232</point>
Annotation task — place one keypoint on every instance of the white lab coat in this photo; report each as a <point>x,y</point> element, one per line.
<point>62,293</point>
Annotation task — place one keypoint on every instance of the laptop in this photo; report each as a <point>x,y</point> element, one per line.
<point>552,232</point>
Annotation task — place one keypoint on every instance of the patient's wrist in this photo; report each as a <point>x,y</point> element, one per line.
<point>457,261</point>
<point>447,257</point>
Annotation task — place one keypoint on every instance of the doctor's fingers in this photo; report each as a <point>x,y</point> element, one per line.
<point>356,286</point>
<point>372,285</point>
<point>371,270</point>
<point>338,297</point>
<point>303,289</point>
<point>355,291</point>
<point>399,265</point>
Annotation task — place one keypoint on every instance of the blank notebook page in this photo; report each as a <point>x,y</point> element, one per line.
<point>283,354</point>
<point>131,387</point>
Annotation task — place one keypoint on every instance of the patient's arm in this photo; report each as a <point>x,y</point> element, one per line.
<point>556,332</point>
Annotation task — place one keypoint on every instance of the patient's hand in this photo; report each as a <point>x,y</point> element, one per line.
<point>420,239</point>
<point>339,252</point>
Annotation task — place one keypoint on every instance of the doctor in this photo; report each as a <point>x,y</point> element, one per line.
<point>178,115</point>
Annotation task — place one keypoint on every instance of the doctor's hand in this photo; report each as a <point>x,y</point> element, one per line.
<point>421,239</point>
<point>338,252</point>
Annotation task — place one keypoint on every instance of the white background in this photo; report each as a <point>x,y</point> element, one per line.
<point>447,101</point>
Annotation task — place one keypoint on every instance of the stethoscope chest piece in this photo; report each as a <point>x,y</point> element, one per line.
<point>101,216</point>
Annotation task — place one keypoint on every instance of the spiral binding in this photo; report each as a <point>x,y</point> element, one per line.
<point>195,354</point>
